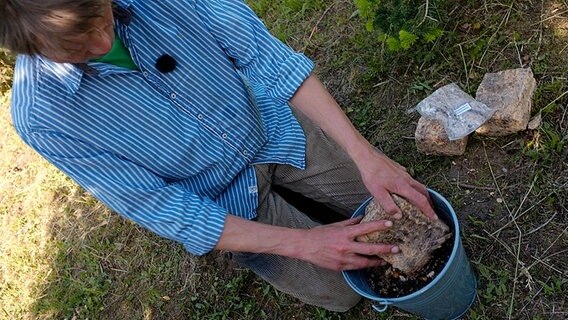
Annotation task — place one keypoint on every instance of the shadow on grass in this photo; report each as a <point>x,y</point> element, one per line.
<point>108,268</point>
<point>105,267</point>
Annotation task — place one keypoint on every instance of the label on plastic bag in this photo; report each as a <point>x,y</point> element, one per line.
<point>463,109</point>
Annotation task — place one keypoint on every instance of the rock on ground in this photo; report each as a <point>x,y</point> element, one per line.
<point>431,138</point>
<point>509,93</point>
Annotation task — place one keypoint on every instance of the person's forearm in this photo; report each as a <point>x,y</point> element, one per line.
<point>329,246</point>
<point>248,236</point>
<point>381,175</point>
<point>313,99</point>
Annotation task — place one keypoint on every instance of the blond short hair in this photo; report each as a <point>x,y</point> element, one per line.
<point>30,26</point>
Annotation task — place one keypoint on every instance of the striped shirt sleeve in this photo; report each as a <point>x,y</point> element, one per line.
<point>259,55</point>
<point>167,209</point>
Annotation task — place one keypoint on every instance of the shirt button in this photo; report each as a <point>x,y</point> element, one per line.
<point>145,74</point>
<point>224,136</point>
<point>173,95</point>
<point>245,153</point>
<point>200,116</point>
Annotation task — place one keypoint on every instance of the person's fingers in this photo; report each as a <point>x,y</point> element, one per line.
<point>387,203</point>
<point>362,262</point>
<point>373,249</point>
<point>343,223</point>
<point>368,227</point>
<point>423,190</point>
<point>348,222</point>
<point>420,200</point>
<point>419,187</point>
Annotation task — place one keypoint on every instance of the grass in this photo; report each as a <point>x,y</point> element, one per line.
<point>65,256</point>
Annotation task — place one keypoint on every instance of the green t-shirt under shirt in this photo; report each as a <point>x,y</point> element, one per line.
<point>118,55</point>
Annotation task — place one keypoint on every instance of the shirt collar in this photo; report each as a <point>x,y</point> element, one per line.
<point>68,73</point>
<point>121,12</point>
<point>71,74</point>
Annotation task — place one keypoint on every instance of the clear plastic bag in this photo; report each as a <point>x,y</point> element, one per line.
<point>458,112</point>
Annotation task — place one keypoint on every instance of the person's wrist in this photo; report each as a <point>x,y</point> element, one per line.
<point>364,154</point>
<point>293,243</point>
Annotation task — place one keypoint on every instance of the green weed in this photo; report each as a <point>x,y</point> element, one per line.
<point>401,24</point>
<point>281,16</point>
<point>554,286</point>
<point>497,283</point>
<point>360,115</point>
<point>547,142</point>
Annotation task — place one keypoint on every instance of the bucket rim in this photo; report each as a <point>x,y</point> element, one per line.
<point>385,300</point>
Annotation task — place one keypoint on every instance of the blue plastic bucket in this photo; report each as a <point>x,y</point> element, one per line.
<point>448,296</point>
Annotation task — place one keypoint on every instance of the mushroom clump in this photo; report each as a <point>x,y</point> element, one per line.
<point>415,234</point>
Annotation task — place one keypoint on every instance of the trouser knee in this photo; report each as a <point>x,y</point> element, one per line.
<point>310,284</point>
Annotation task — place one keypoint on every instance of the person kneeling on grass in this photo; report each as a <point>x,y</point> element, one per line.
<point>183,116</point>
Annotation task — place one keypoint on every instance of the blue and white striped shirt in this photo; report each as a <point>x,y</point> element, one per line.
<point>173,152</point>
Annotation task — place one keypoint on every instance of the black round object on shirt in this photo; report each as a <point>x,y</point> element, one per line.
<point>166,63</point>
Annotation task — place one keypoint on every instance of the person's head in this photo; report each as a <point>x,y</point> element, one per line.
<point>61,30</point>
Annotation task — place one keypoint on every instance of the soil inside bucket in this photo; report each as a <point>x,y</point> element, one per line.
<point>389,282</point>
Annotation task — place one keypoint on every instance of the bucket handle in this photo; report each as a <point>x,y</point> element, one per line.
<point>382,306</point>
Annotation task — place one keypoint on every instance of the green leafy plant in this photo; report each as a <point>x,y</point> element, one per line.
<point>403,23</point>
<point>554,286</point>
<point>496,283</point>
<point>546,142</point>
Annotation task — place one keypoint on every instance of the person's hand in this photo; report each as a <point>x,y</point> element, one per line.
<point>333,246</point>
<point>383,177</point>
